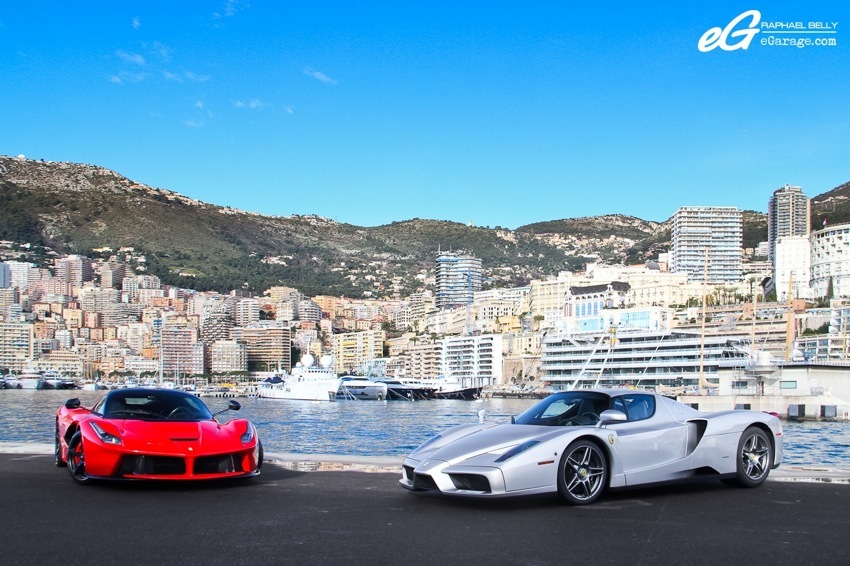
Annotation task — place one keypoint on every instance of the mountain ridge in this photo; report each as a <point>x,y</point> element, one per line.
<point>75,208</point>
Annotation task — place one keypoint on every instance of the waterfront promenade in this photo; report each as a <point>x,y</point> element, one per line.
<point>287,516</point>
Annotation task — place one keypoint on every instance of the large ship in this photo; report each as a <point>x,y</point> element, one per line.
<point>307,382</point>
<point>639,358</point>
<point>31,378</point>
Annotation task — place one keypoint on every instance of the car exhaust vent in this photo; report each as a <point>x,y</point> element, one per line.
<point>222,464</point>
<point>152,466</point>
<point>424,481</point>
<point>408,472</point>
<point>470,482</point>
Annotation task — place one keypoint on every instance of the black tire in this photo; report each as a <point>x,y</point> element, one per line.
<point>57,449</point>
<point>582,473</point>
<point>76,459</point>
<point>754,458</point>
<point>260,457</point>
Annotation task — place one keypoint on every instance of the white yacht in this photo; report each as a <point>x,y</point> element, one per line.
<point>31,378</point>
<point>363,388</point>
<point>307,382</point>
<point>11,381</point>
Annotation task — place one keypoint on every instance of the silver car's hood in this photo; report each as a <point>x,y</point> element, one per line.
<point>494,439</point>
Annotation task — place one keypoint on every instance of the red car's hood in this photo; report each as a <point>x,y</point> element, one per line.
<point>180,436</point>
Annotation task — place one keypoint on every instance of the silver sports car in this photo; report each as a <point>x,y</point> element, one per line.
<point>578,443</point>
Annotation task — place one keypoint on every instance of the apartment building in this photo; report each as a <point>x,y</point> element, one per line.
<point>788,214</point>
<point>458,278</point>
<point>711,234</point>
<point>268,345</point>
<point>352,350</point>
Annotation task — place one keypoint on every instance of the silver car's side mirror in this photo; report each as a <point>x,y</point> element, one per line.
<point>611,416</point>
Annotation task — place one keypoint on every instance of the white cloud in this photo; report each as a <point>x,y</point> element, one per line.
<point>253,104</point>
<point>231,8</point>
<point>134,58</point>
<point>195,77</point>
<point>136,23</point>
<point>194,123</point>
<point>199,105</point>
<point>160,50</point>
<point>126,77</point>
<point>319,76</point>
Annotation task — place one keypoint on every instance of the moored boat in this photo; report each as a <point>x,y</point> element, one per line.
<point>31,378</point>
<point>362,388</point>
<point>406,389</point>
<point>307,382</point>
<point>454,388</point>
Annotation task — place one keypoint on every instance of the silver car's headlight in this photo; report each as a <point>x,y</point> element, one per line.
<point>248,436</point>
<point>103,435</point>
<point>518,449</point>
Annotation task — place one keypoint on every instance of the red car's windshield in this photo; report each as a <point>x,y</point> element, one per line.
<point>153,404</point>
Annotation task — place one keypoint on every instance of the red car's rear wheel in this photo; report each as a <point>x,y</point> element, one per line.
<point>57,449</point>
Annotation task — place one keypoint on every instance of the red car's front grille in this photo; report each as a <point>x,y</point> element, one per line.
<point>152,466</point>
<point>221,464</point>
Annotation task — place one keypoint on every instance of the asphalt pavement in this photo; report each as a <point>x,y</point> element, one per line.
<point>288,516</point>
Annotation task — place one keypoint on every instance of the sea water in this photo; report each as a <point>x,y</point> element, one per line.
<point>374,428</point>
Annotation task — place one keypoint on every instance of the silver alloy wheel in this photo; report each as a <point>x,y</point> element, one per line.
<point>755,455</point>
<point>583,473</point>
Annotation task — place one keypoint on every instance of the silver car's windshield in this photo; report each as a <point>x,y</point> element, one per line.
<point>571,408</point>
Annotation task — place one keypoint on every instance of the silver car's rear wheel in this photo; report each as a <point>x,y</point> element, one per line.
<point>755,458</point>
<point>582,473</point>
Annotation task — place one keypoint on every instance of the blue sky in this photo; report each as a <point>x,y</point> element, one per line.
<point>495,113</point>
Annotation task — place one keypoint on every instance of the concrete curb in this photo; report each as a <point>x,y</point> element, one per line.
<point>392,464</point>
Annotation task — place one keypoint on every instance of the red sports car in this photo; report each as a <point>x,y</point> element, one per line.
<point>154,434</point>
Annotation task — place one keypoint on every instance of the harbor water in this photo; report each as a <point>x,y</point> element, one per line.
<point>374,428</point>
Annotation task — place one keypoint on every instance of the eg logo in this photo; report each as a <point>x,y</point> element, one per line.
<point>716,37</point>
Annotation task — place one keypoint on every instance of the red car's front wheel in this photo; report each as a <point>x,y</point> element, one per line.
<point>76,459</point>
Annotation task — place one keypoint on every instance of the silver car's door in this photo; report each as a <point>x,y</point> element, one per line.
<point>651,444</point>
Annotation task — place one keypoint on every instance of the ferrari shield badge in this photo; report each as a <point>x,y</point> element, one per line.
<point>611,439</point>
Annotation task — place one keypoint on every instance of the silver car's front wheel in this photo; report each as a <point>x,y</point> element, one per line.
<point>755,458</point>
<point>582,473</point>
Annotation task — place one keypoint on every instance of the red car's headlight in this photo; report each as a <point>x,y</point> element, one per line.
<point>103,435</point>
<point>248,436</point>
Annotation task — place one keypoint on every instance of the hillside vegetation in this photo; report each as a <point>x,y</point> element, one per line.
<point>76,208</point>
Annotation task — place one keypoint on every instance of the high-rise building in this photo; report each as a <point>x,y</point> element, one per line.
<point>182,353</point>
<point>788,214</point>
<point>458,277</point>
<point>5,276</point>
<point>16,345</point>
<point>268,345</point>
<point>247,312</point>
<point>228,356</point>
<point>112,273</point>
<point>714,233</point>
<point>352,350</point>
<point>74,269</point>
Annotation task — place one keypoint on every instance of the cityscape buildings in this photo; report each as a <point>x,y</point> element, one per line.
<point>89,316</point>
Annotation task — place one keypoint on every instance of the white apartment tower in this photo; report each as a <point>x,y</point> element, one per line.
<point>713,232</point>
<point>458,277</point>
